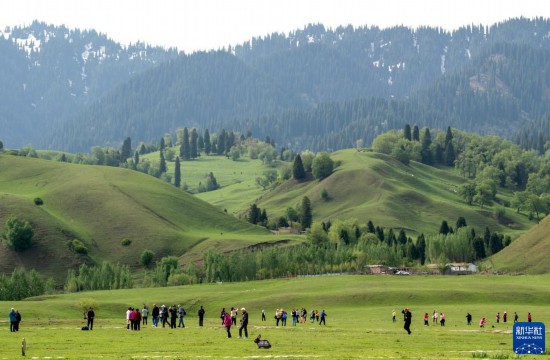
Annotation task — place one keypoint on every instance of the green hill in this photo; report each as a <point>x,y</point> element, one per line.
<point>372,186</point>
<point>101,206</point>
<point>527,254</point>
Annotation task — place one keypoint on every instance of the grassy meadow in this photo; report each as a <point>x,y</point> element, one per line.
<point>358,324</point>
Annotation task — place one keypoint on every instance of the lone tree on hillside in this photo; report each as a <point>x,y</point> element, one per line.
<point>18,234</point>
<point>177,172</point>
<point>322,166</point>
<point>306,216</point>
<point>298,171</point>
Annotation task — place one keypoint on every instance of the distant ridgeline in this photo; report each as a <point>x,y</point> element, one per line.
<point>315,88</point>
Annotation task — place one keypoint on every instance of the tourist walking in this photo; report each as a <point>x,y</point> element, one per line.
<point>201,316</point>
<point>90,315</point>
<point>181,313</point>
<point>13,320</point>
<point>144,314</point>
<point>244,324</point>
<point>407,317</point>
<point>227,323</point>
<point>323,316</point>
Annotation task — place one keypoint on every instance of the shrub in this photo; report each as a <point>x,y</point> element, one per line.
<point>146,257</point>
<point>18,234</point>
<point>78,247</point>
<point>126,242</point>
<point>38,201</point>
<point>324,194</point>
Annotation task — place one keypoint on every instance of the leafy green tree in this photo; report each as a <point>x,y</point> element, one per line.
<point>146,257</point>
<point>18,234</point>
<point>485,192</point>
<point>177,173</point>
<point>306,213</point>
<point>292,214</point>
<point>298,172</point>
<point>316,235</point>
<point>211,182</point>
<point>322,166</point>
<point>167,140</point>
<point>136,158</point>
<point>307,160</point>
<point>467,192</point>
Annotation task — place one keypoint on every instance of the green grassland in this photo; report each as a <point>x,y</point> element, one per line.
<point>101,206</point>
<point>527,255</point>
<point>371,186</point>
<point>358,324</point>
<point>237,179</point>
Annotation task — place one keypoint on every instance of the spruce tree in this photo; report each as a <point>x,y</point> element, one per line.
<point>207,144</point>
<point>407,132</point>
<point>298,171</point>
<point>421,248</point>
<point>162,168</point>
<point>444,228</point>
<point>177,173</point>
<point>126,150</point>
<point>449,154</point>
<point>194,145</point>
<point>162,144</point>
<point>306,216</point>
<point>370,227</point>
<point>185,149</point>
<point>136,157</point>
<point>416,133</point>
<point>448,136</point>
<point>426,152</point>
<point>253,214</point>
<point>461,222</point>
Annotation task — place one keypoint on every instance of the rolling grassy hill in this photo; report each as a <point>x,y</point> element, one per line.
<point>371,186</point>
<point>101,206</point>
<point>528,254</point>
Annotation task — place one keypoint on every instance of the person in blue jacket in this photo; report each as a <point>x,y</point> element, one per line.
<point>13,320</point>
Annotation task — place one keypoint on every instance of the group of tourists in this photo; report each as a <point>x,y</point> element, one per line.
<point>298,316</point>
<point>230,318</point>
<point>15,319</point>
<point>440,318</point>
<point>161,316</point>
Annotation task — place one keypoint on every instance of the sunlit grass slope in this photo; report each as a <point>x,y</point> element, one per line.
<point>101,206</point>
<point>370,186</point>
<point>528,254</point>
